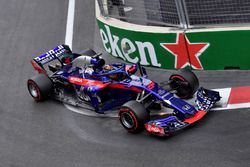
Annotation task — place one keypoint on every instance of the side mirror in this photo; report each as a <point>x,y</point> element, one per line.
<point>143,71</point>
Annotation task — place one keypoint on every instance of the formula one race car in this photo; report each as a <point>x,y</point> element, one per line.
<point>81,79</point>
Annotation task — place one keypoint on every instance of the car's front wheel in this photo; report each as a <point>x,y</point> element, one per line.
<point>185,82</point>
<point>133,116</point>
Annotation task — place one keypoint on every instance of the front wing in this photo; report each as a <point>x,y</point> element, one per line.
<point>171,124</point>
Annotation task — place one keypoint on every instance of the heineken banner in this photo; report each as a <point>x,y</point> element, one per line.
<point>226,49</point>
<point>176,49</point>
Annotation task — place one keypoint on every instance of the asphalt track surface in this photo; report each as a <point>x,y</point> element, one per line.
<point>47,134</point>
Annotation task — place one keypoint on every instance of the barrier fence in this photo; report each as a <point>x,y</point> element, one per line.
<point>178,13</point>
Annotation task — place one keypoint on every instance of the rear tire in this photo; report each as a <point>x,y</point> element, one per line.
<point>133,116</point>
<point>39,87</point>
<point>185,82</point>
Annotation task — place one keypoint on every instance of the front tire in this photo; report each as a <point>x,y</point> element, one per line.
<point>39,87</point>
<point>185,82</point>
<point>133,116</point>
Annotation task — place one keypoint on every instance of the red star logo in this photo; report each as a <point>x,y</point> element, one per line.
<point>186,53</point>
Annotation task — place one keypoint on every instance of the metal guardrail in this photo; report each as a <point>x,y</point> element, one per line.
<point>217,12</point>
<point>178,13</point>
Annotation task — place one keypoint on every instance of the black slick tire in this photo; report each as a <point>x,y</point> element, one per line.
<point>133,116</point>
<point>39,87</point>
<point>185,82</point>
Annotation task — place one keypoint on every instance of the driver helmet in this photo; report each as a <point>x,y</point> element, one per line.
<point>107,67</point>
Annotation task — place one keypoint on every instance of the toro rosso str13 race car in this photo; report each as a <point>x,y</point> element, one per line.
<point>85,80</point>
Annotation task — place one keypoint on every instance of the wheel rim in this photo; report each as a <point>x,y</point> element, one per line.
<point>33,90</point>
<point>127,120</point>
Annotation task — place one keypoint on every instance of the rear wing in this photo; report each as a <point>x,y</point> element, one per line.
<point>49,56</point>
<point>55,53</point>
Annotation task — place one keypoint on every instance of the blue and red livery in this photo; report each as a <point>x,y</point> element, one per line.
<point>142,103</point>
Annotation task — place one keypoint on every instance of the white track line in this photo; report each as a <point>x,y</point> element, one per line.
<point>225,94</point>
<point>70,23</point>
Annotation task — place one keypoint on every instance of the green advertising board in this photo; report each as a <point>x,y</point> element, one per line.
<point>227,49</point>
<point>177,49</point>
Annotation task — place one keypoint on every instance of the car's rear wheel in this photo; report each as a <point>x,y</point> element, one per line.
<point>133,116</point>
<point>39,87</point>
<point>185,82</point>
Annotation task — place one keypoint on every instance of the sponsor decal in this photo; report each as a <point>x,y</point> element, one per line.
<point>186,107</point>
<point>151,85</point>
<point>134,51</point>
<point>125,48</point>
<point>161,91</point>
<point>185,52</point>
<point>75,80</point>
<point>87,82</point>
<point>154,129</point>
<point>50,55</point>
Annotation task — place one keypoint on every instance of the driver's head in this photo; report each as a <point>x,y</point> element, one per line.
<point>107,67</point>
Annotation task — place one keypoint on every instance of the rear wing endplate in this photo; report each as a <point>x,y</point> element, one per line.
<point>49,56</point>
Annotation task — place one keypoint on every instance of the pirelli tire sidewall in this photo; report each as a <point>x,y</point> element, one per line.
<point>40,87</point>
<point>186,75</point>
<point>133,115</point>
